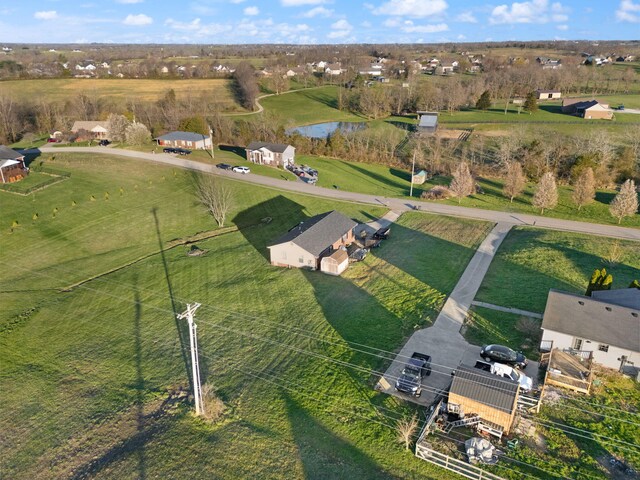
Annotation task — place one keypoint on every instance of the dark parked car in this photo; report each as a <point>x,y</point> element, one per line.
<point>418,367</point>
<point>502,354</point>
<point>104,143</point>
<point>224,166</point>
<point>169,150</point>
<point>382,234</point>
<point>182,151</point>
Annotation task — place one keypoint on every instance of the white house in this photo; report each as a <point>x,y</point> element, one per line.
<point>95,128</point>
<point>333,69</point>
<point>273,154</point>
<point>606,324</point>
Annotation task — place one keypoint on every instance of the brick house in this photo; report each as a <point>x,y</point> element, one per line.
<point>190,140</point>
<point>273,154</point>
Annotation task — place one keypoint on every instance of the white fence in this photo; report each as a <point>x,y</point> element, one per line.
<point>453,464</point>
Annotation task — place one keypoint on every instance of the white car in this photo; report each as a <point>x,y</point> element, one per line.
<point>241,169</point>
<point>526,384</point>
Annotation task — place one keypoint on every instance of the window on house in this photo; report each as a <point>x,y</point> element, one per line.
<point>284,255</point>
<point>603,348</point>
<point>577,343</point>
<point>301,259</point>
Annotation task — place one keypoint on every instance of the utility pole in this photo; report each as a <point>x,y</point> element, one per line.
<point>211,138</point>
<point>413,170</point>
<point>195,366</point>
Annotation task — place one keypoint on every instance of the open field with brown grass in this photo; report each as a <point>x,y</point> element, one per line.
<point>62,89</point>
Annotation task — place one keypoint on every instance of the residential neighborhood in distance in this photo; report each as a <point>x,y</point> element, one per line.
<point>298,239</point>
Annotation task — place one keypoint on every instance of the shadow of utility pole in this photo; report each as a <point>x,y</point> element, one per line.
<point>181,327</point>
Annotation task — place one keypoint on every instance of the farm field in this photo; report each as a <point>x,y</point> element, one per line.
<point>60,90</point>
<point>532,261</point>
<point>98,373</point>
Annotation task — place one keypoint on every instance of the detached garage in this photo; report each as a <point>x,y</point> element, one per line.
<point>336,263</point>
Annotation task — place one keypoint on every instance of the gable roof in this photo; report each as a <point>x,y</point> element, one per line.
<point>7,153</point>
<point>88,125</point>
<point>428,120</point>
<point>484,387</point>
<point>594,319</point>
<point>317,233</point>
<point>625,297</point>
<point>184,136</point>
<point>274,147</point>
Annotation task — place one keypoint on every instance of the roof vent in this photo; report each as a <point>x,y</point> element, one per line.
<point>608,309</point>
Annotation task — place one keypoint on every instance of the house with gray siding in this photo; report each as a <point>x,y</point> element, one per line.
<point>305,244</point>
<point>607,324</point>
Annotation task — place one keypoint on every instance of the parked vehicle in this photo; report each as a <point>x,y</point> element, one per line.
<point>505,371</point>
<point>224,166</point>
<point>53,140</point>
<point>169,150</point>
<point>241,169</point>
<point>104,143</point>
<point>418,367</point>
<point>382,234</point>
<point>502,354</point>
<point>182,151</point>
<point>358,255</point>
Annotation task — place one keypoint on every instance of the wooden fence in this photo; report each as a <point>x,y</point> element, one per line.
<point>424,452</point>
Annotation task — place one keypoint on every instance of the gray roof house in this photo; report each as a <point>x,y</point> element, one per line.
<point>304,245</point>
<point>12,167</point>
<point>184,140</point>
<point>606,324</point>
<point>96,128</point>
<point>427,122</point>
<point>274,154</point>
<point>476,392</point>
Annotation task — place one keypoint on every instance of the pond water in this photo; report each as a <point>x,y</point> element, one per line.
<point>322,130</point>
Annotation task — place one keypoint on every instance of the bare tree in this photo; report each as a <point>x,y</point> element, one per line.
<point>215,196</point>
<point>515,182</point>
<point>247,84</point>
<point>546,194</point>
<point>406,429</point>
<point>625,204</point>
<point>462,184</point>
<point>584,188</point>
<point>117,127</point>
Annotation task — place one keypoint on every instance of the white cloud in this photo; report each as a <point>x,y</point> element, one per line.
<point>533,11</point>
<point>129,1</point>
<point>46,15</point>
<point>467,17</point>
<point>318,12</point>
<point>409,27</point>
<point>366,24</point>
<point>251,11</point>
<point>237,1</point>
<point>412,8</point>
<point>138,20</point>
<point>628,11</point>
<point>563,27</point>
<point>461,37</point>
<point>340,29</point>
<point>297,3</point>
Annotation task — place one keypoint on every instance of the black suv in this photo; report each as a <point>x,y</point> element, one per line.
<point>502,354</point>
<point>169,150</point>
<point>223,166</point>
<point>104,143</point>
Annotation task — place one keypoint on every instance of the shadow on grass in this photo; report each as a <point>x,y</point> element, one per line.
<point>556,109</point>
<point>404,188</point>
<point>233,149</point>
<point>320,97</point>
<point>409,127</point>
<point>324,455</point>
<point>255,226</point>
<point>605,197</point>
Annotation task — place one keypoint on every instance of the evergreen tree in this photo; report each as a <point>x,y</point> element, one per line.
<point>484,102</point>
<point>531,102</point>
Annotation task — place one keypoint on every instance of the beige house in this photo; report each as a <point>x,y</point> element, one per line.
<point>587,109</point>
<point>607,324</point>
<point>549,94</point>
<point>93,128</point>
<point>476,392</point>
<point>274,154</point>
<point>188,140</point>
<point>306,244</point>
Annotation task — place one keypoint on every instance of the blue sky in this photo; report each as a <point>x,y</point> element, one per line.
<point>315,21</point>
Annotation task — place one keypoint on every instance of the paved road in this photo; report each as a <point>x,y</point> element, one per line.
<point>396,204</point>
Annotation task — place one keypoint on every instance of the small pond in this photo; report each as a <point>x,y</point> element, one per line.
<point>322,130</point>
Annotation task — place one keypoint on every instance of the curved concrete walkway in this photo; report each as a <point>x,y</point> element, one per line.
<point>396,204</point>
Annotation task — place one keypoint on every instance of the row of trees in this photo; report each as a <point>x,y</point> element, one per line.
<point>545,197</point>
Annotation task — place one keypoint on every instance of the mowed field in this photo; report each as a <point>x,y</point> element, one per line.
<point>94,365</point>
<point>60,90</point>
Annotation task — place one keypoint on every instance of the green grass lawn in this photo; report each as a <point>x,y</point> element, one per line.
<point>530,262</point>
<point>91,376</point>
<point>34,180</point>
<point>308,106</point>
<point>485,326</point>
